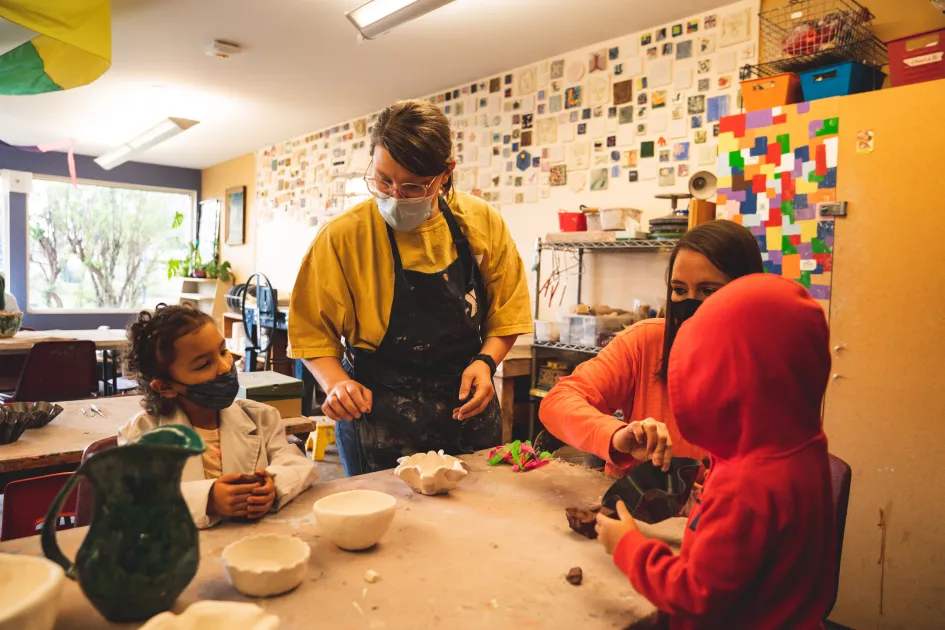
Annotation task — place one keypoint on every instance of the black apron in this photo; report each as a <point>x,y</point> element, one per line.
<point>435,330</point>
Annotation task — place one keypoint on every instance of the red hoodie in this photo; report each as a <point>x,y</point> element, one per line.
<point>746,378</point>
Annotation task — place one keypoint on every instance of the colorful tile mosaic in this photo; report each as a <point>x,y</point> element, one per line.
<point>774,167</point>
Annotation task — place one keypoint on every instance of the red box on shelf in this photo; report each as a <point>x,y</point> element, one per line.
<point>917,58</point>
<point>572,222</point>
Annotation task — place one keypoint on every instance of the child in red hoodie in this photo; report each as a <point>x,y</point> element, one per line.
<point>747,374</point>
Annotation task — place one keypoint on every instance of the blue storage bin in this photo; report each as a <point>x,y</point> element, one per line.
<point>840,80</point>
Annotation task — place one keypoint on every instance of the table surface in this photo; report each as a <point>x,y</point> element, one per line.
<point>492,554</point>
<point>63,440</point>
<point>109,339</point>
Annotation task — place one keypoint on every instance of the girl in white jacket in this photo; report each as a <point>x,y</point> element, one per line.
<point>188,377</point>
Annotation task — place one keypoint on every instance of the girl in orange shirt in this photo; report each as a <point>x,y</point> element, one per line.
<point>630,373</point>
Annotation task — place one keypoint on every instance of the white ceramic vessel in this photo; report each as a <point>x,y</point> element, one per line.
<point>266,564</point>
<point>209,615</point>
<point>356,519</point>
<point>430,473</point>
<point>29,592</point>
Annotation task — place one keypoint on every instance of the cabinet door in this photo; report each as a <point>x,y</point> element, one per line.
<point>885,406</point>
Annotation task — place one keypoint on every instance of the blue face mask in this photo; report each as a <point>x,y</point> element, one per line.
<point>405,215</point>
<point>217,393</point>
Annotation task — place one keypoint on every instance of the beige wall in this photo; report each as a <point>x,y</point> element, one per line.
<point>215,180</point>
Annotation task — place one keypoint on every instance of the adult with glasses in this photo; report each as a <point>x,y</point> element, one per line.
<point>406,303</point>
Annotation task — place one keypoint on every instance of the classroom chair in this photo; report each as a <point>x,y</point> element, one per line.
<point>58,370</point>
<point>85,492</point>
<point>26,501</point>
<point>840,477</point>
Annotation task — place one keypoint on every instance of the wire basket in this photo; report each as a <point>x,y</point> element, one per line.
<point>806,34</point>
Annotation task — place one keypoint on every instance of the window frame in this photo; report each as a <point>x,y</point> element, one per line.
<point>94,182</point>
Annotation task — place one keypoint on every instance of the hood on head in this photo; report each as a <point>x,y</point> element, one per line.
<point>747,373</point>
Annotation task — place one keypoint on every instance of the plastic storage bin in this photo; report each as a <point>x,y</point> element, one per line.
<point>917,58</point>
<point>591,331</point>
<point>773,91</point>
<point>572,221</point>
<point>547,331</point>
<point>619,219</point>
<point>840,79</point>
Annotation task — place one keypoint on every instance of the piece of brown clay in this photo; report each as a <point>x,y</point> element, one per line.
<point>575,576</point>
<point>583,520</point>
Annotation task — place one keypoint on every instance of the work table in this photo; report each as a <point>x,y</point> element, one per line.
<point>493,554</point>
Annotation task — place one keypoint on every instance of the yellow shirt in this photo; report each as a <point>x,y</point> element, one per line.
<point>345,287</point>
<point>212,457</point>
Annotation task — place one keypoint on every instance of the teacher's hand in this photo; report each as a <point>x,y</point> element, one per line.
<point>478,379</point>
<point>645,440</point>
<point>347,400</point>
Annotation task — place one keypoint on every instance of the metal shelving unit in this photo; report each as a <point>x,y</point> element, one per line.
<point>579,248</point>
<point>557,345</point>
<point>639,245</point>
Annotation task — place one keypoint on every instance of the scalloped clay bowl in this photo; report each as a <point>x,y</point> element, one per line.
<point>356,519</point>
<point>266,564</point>
<point>430,473</point>
<point>29,592</point>
<point>210,615</point>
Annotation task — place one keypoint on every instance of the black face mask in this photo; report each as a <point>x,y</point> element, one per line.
<point>217,393</point>
<point>683,310</point>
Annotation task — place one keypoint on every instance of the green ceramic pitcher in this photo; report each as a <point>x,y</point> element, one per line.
<point>141,550</point>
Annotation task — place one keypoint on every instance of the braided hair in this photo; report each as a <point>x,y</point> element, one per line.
<point>150,349</point>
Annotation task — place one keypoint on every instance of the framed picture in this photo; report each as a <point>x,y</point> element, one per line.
<point>236,215</point>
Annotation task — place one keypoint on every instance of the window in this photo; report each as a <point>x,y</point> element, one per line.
<point>105,247</point>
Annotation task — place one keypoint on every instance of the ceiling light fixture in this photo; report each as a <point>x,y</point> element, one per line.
<point>379,16</point>
<point>142,142</point>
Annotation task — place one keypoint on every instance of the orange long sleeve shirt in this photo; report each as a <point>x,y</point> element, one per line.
<point>579,409</point>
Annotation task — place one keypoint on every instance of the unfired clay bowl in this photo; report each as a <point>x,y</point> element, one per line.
<point>29,592</point>
<point>209,615</point>
<point>430,473</point>
<point>356,519</point>
<point>266,564</point>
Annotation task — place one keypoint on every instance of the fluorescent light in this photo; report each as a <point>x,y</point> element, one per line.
<point>142,142</point>
<point>379,16</point>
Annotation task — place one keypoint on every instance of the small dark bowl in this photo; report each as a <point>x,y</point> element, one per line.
<point>652,495</point>
<point>38,414</point>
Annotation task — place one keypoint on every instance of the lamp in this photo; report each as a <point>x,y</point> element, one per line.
<point>160,132</point>
<point>379,16</point>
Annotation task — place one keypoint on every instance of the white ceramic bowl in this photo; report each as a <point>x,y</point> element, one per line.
<point>29,592</point>
<point>210,615</point>
<point>430,473</point>
<point>263,565</point>
<point>356,519</point>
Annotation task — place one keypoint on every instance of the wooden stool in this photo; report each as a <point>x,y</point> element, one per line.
<point>324,435</point>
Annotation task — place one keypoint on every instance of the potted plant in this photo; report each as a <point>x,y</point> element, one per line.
<point>188,266</point>
<point>222,270</point>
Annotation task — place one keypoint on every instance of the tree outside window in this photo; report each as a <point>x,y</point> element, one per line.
<point>105,247</point>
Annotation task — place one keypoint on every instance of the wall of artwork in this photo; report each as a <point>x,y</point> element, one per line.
<point>608,125</point>
<point>774,167</point>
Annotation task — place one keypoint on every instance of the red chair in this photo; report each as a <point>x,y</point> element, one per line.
<point>85,502</point>
<point>840,477</point>
<point>58,370</point>
<point>25,503</point>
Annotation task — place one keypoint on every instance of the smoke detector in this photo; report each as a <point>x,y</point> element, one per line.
<point>223,50</point>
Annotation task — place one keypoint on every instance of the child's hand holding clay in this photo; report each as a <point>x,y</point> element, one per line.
<point>610,531</point>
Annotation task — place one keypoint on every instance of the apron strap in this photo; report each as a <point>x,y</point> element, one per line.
<point>459,239</point>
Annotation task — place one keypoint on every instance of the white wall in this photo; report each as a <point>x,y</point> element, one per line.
<point>301,193</point>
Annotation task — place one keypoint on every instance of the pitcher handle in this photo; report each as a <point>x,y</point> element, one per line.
<point>48,538</point>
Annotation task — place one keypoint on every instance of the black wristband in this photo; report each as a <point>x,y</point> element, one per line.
<point>485,358</point>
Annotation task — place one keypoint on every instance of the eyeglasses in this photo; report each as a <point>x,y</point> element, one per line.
<point>383,189</point>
